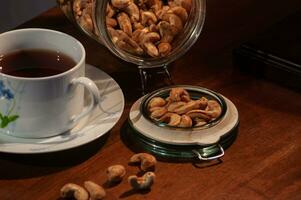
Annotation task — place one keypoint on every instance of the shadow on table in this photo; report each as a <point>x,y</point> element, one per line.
<point>14,166</point>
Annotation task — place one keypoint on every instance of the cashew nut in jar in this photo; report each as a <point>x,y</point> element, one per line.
<point>120,4</point>
<point>125,23</point>
<point>148,43</point>
<point>153,24</point>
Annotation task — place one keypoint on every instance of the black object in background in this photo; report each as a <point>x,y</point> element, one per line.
<point>275,54</point>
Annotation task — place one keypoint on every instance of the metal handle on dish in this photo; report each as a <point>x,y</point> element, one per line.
<point>212,157</point>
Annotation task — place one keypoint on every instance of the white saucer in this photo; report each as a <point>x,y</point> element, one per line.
<point>96,125</point>
<point>205,137</point>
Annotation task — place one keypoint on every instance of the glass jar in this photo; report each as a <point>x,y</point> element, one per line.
<point>92,20</point>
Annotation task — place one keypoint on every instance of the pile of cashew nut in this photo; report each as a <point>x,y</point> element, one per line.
<point>179,110</point>
<point>115,174</point>
<point>146,27</point>
<point>82,10</point>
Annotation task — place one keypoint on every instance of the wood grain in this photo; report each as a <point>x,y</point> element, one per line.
<point>263,163</point>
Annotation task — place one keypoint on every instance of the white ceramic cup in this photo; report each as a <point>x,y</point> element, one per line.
<point>44,106</point>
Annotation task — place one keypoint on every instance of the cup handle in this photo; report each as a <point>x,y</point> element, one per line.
<point>95,96</point>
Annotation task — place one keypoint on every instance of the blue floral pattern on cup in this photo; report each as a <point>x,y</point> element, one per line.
<point>6,93</point>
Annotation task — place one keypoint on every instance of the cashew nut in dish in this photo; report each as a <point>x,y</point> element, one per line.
<point>142,183</point>
<point>186,121</point>
<point>120,4</point>
<point>199,122</point>
<point>176,94</point>
<point>156,102</point>
<point>172,119</point>
<point>147,161</point>
<point>96,192</point>
<point>203,102</point>
<point>125,23</point>
<point>115,173</point>
<point>175,105</point>
<point>213,109</point>
<point>75,191</point>
<point>198,114</point>
<point>158,112</point>
<point>179,110</point>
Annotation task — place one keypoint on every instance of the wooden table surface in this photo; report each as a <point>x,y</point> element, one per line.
<point>263,163</point>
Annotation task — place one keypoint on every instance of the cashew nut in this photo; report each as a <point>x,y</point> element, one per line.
<point>148,43</point>
<point>142,183</point>
<point>199,122</point>
<point>174,21</point>
<point>110,12</point>
<point>125,23</point>
<point>213,109</point>
<point>164,48</point>
<point>198,114</point>
<point>123,41</point>
<point>96,192</point>
<point>172,119</point>
<point>177,93</point>
<point>175,105</point>
<point>183,3</point>
<point>186,108</point>
<point>156,102</point>
<point>180,12</point>
<point>148,17</point>
<point>139,34</point>
<point>133,11</point>
<point>72,190</point>
<point>153,28</point>
<point>120,4</point>
<point>137,26</point>
<point>157,113</point>
<point>186,121</point>
<point>203,102</point>
<point>162,12</point>
<point>111,22</point>
<point>147,161</point>
<point>167,32</point>
<point>115,173</point>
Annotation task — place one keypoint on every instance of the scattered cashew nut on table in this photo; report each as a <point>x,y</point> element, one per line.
<point>147,161</point>
<point>142,183</point>
<point>96,192</point>
<point>71,190</point>
<point>115,173</point>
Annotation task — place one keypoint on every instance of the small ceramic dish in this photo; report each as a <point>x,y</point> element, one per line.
<point>195,93</point>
